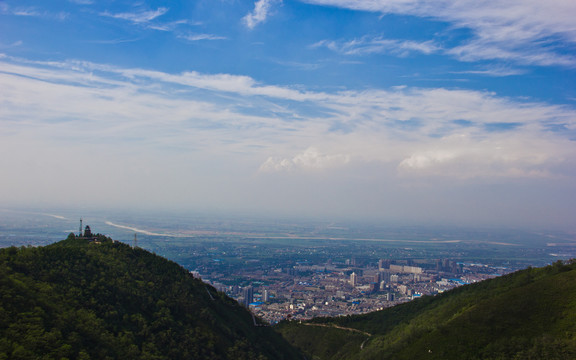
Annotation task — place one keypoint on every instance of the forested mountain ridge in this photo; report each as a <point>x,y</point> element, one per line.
<point>530,314</point>
<point>82,299</point>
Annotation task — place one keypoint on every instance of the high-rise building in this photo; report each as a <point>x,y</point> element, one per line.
<point>248,293</point>
<point>353,279</point>
<point>266,296</point>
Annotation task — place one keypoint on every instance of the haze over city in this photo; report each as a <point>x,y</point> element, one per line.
<point>397,111</point>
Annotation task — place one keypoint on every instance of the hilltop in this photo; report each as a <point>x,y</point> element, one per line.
<point>530,314</point>
<point>100,299</point>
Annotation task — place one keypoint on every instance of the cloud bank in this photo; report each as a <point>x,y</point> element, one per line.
<point>414,127</point>
<point>151,137</point>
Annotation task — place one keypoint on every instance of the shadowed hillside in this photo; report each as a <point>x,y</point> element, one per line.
<point>100,299</point>
<point>530,314</point>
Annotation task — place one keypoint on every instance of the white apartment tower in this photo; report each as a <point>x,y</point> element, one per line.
<point>353,279</point>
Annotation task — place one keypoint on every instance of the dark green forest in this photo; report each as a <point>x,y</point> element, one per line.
<point>86,299</point>
<point>530,314</point>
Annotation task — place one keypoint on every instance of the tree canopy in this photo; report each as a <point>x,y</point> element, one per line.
<point>80,299</point>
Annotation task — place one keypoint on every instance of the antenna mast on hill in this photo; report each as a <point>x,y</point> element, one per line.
<point>135,241</point>
<point>80,232</point>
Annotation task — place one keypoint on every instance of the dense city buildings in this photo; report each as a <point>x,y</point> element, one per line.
<point>334,289</point>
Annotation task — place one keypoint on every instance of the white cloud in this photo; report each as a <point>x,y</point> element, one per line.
<point>171,26</point>
<point>12,45</point>
<point>310,158</point>
<point>32,12</point>
<point>260,14</point>
<point>368,45</point>
<point>26,12</point>
<point>426,160</point>
<point>495,71</point>
<point>500,156</point>
<point>526,31</point>
<point>199,37</point>
<point>139,17</point>
<point>521,53</point>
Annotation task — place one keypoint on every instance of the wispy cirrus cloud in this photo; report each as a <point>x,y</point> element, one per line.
<point>372,45</point>
<point>149,20</point>
<point>522,53</point>
<point>6,9</point>
<point>137,17</point>
<point>32,12</point>
<point>12,45</point>
<point>171,26</point>
<point>494,71</point>
<point>199,37</point>
<point>529,32</point>
<point>260,13</point>
<point>26,12</point>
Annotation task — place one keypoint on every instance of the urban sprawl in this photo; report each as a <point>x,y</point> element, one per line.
<point>305,291</point>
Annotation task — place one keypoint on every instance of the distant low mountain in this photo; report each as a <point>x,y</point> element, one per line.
<point>99,299</point>
<point>530,314</point>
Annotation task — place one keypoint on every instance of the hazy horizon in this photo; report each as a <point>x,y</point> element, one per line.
<point>386,111</point>
<point>145,221</point>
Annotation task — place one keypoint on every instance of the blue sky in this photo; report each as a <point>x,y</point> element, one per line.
<point>397,111</point>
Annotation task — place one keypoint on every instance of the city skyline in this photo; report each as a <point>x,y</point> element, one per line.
<point>396,111</point>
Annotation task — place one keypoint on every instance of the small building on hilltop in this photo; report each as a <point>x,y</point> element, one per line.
<point>88,235</point>
<point>87,232</point>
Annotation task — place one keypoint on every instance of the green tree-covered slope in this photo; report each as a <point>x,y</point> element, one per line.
<point>81,300</point>
<point>530,314</point>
